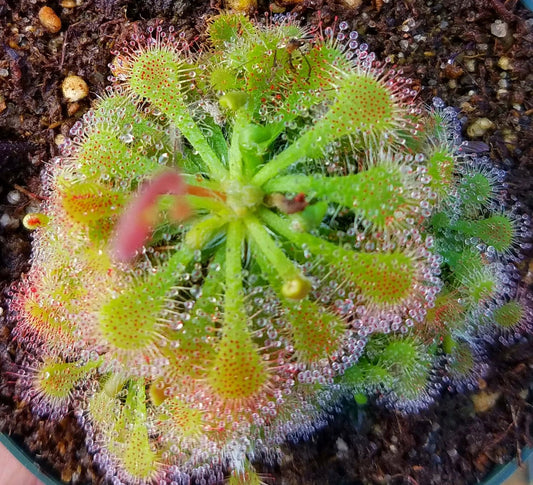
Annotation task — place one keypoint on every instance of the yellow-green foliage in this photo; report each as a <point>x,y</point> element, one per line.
<point>229,229</point>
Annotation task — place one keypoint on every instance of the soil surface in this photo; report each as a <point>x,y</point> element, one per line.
<point>477,55</point>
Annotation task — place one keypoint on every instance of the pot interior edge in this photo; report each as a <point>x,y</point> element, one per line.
<point>14,447</point>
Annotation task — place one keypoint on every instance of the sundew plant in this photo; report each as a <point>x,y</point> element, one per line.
<point>236,236</point>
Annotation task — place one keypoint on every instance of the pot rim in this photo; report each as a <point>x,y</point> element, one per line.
<point>528,4</point>
<point>23,456</point>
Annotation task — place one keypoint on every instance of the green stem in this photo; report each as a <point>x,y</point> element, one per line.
<point>201,232</point>
<point>195,181</point>
<point>234,298</point>
<point>290,183</point>
<point>282,226</point>
<point>296,183</point>
<point>266,244</point>
<point>242,119</point>
<point>135,400</point>
<point>316,245</point>
<point>208,203</point>
<point>306,146</point>
<point>181,117</point>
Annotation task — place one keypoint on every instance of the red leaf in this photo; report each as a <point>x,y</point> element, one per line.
<point>136,224</point>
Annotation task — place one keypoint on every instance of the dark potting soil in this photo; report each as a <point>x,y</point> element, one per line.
<point>477,55</point>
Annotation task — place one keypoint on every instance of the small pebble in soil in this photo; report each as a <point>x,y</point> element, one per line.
<point>241,6</point>
<point>452,453</point>
<point>483,401</point>
<point>503,83</point>
<point>499,28</point>
<point>33,206</point>
<point>509,137</point>
<point>275,8</point>
<point>74,88</point>
<point>60,139</point>
<point>505,63</point>
<point>502,94</point>
<point>342,447</point>
<point>68,4</point>
<point>453,71</point>
<point>466,107</point>
<point>408,25</point>
<point>470,65</point>
<point>479,127</point>
<point>49,20</point>
<point>8,222</point>
<point>352,3</point>
<point>14,197</point>
<point>73,108</point>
